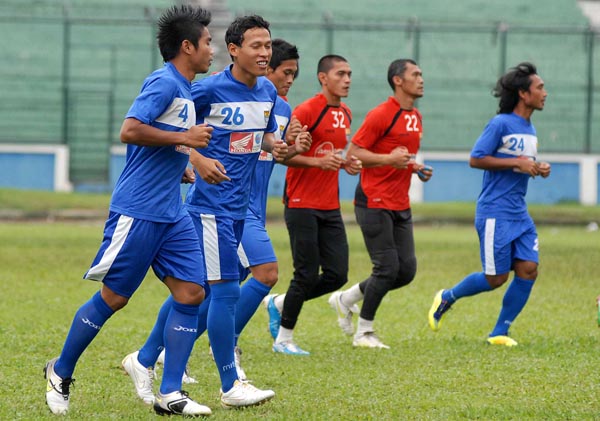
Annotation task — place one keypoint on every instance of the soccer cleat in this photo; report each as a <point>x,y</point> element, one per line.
<point>237,353</point>
<point>368,340</point>
<point>185,379</point>
<point>141,376</point>
<point>178,403</point>
<point>289,348</point>
<point>274,314</point>
<point>502,340</point>
<point>244,394</point>
<point>344,312</point>
<point>437,310</point>
<point>57,389</point>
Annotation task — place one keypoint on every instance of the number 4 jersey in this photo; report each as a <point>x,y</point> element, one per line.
<point>503,192</point>
<point>240,116</point>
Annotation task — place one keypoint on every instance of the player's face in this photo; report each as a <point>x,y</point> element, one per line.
<point>283,76</point>
<point>337,80</point>
<point>203,55</point>
<point>535,97</point>
<point>411,81</point>
<point>255,53</point>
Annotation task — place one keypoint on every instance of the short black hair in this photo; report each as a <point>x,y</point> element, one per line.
<point>326,62</point>
<point>177,24</point>
<point>397,68</point>
<point>282,51</point>
<point>237,28</point>
<point>515,80</point>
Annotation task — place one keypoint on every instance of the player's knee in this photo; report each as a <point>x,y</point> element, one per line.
<point>496,281</point>
<point>115,301</point>
<point>526,270</point>
<point>267,274</point>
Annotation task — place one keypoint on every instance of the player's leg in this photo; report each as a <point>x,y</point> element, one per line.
<point>526,257</point>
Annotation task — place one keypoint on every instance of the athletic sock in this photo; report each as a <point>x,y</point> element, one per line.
<point>514,300</point>
<point>179,337</point>
<point>284,335</point>
<point>352,295</point>
<point>87,322</point>
<point>155,343</point>
<point>203,316</point>
<point>471,285</point>
<point>221,328</point>
<point>364,326</point>
<point>251,295</point>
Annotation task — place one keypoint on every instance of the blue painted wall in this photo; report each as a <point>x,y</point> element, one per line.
<point>27,171</point>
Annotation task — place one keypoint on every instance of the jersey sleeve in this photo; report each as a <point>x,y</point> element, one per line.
<point>201,95</point>
<point>272,125</point>
<point>488,141</point>
<point>303,114</point>
<point>369,132</point>
<point>155,96</point>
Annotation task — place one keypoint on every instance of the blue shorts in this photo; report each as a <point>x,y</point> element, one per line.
<point>255,248</point>
<point>220,237</point>
<point>502,241</point>
<point>131,246</point>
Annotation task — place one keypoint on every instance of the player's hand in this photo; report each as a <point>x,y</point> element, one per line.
<point>527,165</point>
<point>353,165</point>
<point>399,158</point>
<point>188,176</point>
<point>210,170</point>
<point>280,151</point>
<point>543,168</point>
<point>293,130</point>
<point>198,136</point>
<point>424,172</point>
<point>331,161</point>
<point>303,140</point>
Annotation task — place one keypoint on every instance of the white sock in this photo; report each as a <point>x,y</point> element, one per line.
<point>278,301</point>
<point>364,326</point>
<point>352,295</point>
<point>284,335</point>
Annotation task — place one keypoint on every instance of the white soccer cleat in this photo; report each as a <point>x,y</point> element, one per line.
<point>141,376</point>
<point>244,394</point>
<point>238,367</point>
<point>185,378</point>
<point>57,389</point>
<point>178,403</point>
<point>344,312</point>
<point>368,340</point>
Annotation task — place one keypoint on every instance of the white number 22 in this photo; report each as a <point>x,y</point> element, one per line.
<point>411,123</point>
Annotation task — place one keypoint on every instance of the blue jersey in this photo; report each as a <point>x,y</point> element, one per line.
<point>503,192</point>
<point>240,116</point>
<point>148,188</point>
<point>264,168</point>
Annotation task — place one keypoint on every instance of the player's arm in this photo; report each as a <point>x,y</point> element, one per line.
<point>134,132</point>
<point>521,164</point>
<point>279,150</point>
<point>209,169</point>
<point>398,158</point>
<point>298,142</point>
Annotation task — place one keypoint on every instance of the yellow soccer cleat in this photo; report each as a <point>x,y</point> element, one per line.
<point>502,340</point>
<point>437,310</point>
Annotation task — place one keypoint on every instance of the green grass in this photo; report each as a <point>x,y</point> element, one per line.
<point>448,375</point>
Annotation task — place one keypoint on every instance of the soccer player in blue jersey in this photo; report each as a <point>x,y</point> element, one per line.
<point>506,151</point>
<point>238,103</point>
<point>147,224</point>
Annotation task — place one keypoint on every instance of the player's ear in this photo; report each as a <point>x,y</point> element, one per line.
<point>232,49</point>
<point>186,47</point>
<point>322,76</point>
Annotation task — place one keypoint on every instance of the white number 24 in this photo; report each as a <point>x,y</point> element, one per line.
<point>411,123</point>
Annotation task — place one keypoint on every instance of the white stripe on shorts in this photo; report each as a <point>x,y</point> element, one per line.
<point>488,246</point>
<point>243,257</point>
<point>98,272</point>
<point>210,240</point>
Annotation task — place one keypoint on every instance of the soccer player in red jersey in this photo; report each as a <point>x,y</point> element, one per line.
<point>312,208</point>
<point>386,144</point>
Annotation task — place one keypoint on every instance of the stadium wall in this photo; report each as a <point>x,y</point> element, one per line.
<point>575,177</point>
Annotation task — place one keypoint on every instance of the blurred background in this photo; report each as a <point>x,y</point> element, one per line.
<point>70,69</point>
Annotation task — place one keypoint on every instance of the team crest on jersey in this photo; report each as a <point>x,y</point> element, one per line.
<point>183,149</point>
<point>267,113</point>
<point>281,130</point>
<point>244,142</point>
<point>265,156</point>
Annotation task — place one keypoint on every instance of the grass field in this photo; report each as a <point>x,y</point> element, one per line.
<point>449,375</point>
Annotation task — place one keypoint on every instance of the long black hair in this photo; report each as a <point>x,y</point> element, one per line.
<point>509,85</point>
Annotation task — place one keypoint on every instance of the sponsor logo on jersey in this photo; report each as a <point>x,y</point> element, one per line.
<point>265,156</point>
<point>324,149</point>
<point>183,149</point>
<point>244,142</point>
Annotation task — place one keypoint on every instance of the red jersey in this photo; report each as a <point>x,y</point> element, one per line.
<point>386,127</point>
<point>329,126</point>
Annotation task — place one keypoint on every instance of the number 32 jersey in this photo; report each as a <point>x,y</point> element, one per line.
<point>240,116</point>
<point>503,192</point>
